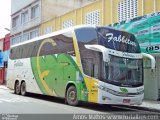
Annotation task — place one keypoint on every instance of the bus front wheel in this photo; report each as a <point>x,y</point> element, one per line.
<point>71,96</point>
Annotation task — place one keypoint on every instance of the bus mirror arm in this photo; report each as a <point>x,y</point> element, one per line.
<point>153,61</point>
<point>100,48</point>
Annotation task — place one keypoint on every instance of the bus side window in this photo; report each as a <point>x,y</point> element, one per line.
<point>11,52</point>
<point>89,67</point>
<point>16,53</point>
<point>94,70</point>
<point>86,64</point>
<point>35,49</point>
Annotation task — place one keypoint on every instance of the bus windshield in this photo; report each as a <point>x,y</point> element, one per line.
<point>119,71</point>
<point>123,71</point>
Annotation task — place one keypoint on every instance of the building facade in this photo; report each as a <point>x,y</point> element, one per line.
<point>101,12</point>
<point>25,17</point>
<point>4,52</point>
<point>28,15</point>
<point>31,18</point>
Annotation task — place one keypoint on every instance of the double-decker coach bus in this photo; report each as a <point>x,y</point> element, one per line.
<point>85,63</point>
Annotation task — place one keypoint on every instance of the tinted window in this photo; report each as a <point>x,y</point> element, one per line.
<point>62,43</point>
<point>86,35</point>
<point>90,59</point>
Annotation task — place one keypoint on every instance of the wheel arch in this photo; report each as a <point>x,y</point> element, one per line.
<point>68,85</point>
<point>16,80</point>
<point>22,81</point>
<point>15,84</point>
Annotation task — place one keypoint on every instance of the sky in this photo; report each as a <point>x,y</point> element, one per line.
<point>5,17</point>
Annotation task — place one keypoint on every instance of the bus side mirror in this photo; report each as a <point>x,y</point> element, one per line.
<point>100,48</point>
<point>153,61</point>
<point>106,57</point>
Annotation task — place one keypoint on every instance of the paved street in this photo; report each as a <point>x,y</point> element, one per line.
<point>38,104</point>
<point>18,107</point>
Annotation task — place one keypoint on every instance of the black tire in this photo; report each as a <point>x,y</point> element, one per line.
<point>17,88</point>
<point>23,88</point>
<point>71,96</point>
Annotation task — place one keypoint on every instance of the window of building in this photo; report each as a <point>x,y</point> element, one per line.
<point>24,17</point>
<point>48,30</point>
<point>93,18</point>
<point>35,11</point>
<point>15,21</point>
<point>25,36</point>
<point>127,9</point>
<point>34,33</point>
<point>16,40</point>
<point>12,41</point>
<point>67,24</point>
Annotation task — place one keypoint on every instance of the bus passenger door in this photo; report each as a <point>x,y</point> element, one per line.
<point>93,90</point>
<point>90,68</point>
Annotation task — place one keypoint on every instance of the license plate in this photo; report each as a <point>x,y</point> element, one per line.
<point>126,101</point>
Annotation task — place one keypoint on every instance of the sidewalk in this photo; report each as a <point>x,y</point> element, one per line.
<point>147,104</point>
<point>150,105</point>
<point>3,87</point>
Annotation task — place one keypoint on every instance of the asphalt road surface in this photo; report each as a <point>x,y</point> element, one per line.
<point>11,103</point>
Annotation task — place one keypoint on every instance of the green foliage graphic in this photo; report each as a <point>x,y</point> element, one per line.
<point>56,71</point>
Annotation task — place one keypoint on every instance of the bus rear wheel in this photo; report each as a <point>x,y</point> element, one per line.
<point>17,88</point>
<point>71,96</point>
<point>23,88</point>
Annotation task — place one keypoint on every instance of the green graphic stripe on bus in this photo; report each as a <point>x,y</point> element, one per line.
<point>61,69</point>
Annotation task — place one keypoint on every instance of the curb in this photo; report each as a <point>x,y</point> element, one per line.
<point>3,87</point>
